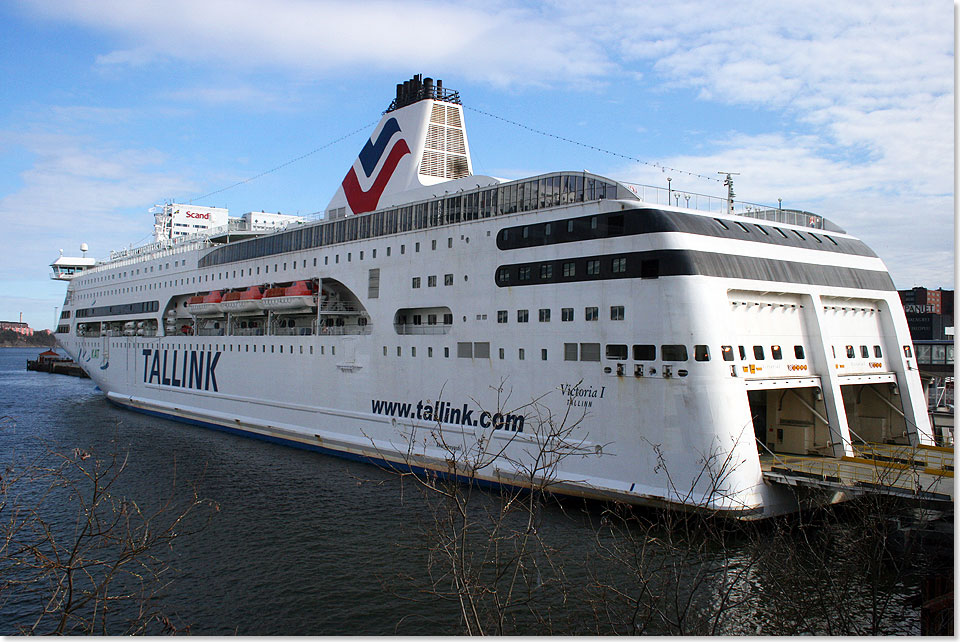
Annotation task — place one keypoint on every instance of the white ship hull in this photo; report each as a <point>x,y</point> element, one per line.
<point>454,348</point>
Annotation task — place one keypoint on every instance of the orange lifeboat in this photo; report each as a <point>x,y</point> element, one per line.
<point>242,301</point>
<point>205,305</point>
<point>300,296</point>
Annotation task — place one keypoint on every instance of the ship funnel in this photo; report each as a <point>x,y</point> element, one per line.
<point>420,141</point>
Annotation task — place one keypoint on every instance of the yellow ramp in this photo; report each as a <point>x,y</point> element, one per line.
<point>903,471</point>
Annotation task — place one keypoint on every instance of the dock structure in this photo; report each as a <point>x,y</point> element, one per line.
<point>53,363</point>
<point>920,472</point>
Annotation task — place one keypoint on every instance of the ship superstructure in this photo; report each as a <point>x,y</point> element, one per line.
<point>439,320</point>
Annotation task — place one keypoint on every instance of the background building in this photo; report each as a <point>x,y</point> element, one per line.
<point>17,326</point>
<point>929,313</point>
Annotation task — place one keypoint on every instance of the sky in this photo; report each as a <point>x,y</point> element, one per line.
<point>107,108</point>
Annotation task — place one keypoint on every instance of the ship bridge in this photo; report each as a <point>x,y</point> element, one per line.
<point>66,268</point>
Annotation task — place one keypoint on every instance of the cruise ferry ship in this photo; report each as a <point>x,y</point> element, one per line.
<point>566,331</point>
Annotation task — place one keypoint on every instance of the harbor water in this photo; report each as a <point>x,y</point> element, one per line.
<point>299,543</point>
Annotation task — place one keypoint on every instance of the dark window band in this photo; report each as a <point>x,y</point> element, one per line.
<point>658,263</point>
<point>535,193</point>
<point>649,221</point>
<point>142,307</point>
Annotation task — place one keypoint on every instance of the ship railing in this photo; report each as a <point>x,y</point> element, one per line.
<point>339,306</point>
<point>293,332</point>
<point>409,328</point>
<point>247,332</point>
<point>705,203</point>
<point>337,330</point>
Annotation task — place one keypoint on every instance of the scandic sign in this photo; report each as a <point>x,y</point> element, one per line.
<point>204,215</point>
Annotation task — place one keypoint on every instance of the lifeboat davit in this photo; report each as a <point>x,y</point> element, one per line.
<point>245,301</point>
<point>206,305</point>
<point>300,296</point>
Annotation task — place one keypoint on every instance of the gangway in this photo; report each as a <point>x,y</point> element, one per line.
<point>918,472</point>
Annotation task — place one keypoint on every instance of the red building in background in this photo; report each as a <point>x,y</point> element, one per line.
<point>17,326</point>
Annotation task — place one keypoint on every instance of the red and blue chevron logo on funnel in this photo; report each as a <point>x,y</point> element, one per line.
<point>361,200</point>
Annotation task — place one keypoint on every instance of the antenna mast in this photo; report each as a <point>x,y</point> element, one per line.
<point>728,181</point>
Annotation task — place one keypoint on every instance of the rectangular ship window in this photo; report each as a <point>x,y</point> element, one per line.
<point>650,269</point>
<point>776,353</point>
<point>589,352</point>
<point>616,351</point>
<point>570,351</point>
<point>591,314</point>
<point>464,350</point>
<point>644,352</point>
<point>727,352</point>
<point>758,353</point>
<point>673,352</point>
<point>701,352</point>
<point>798,352</point>
<point>481,350</point>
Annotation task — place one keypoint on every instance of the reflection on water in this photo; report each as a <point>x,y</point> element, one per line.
<point>310,544</point>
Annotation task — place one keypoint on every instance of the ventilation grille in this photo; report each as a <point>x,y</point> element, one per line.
<point>457,166</point>
<point>435,137</point>
<point>445,153</point>
<point>432,164</point>
<point>453,116</point>
<point>455,141</point>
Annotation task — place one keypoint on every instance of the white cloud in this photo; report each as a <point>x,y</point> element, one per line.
<point>500,44</point>
<point>78,190</point>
